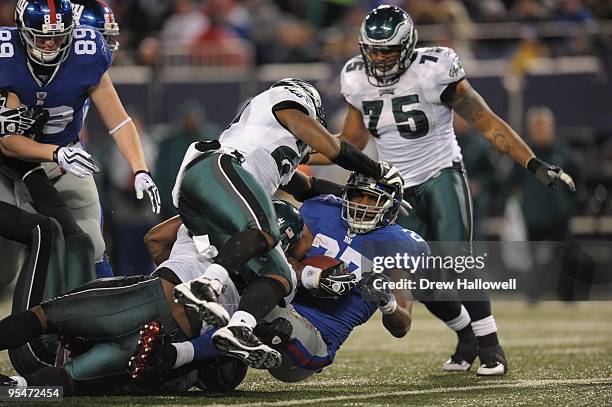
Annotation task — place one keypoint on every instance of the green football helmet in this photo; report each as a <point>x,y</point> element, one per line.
<point>387,41</point>
<point>290,224</point>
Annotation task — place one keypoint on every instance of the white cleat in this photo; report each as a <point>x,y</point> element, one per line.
<point>201,294</point>
<point>451,366</point>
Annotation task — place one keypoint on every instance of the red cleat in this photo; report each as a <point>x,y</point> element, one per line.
<point>148,338</point>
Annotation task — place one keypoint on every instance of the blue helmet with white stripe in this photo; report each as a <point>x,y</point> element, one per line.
<point>97,14</point>
<point>46,28</point>
<point>368,203</point>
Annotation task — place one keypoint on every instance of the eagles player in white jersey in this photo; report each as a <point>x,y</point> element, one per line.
<point>405,97</point>
<point>223,194</point>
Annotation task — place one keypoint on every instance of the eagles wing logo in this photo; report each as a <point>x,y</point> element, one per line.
<point>456,69</point>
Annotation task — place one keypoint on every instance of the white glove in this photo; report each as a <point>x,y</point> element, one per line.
<point>75,160</point>
<point>144,182</point>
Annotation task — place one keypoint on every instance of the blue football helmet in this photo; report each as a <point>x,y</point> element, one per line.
<point>369,204</point>
<point>97,14</point>
<point>46,28</point>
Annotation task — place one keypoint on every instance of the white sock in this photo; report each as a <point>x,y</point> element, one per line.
<point>461,321</point>
<point>242,318</point>
<point>218,272</point>
<point>184,353</point>
<point>484,326</point>
<point>21,382</point>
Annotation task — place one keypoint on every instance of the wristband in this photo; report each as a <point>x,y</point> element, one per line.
<point>142,172</point>
<point>119,126</point>
<point>310,277</point>
<point>55,155</point>
<point>390,307</point>
<point>534,164</point>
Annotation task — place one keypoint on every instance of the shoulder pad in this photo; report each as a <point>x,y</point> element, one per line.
<point>441,63</point>
<point>354,64</point>
<point>101,55</point>
<point>326,200</point>
<point>9,41</point>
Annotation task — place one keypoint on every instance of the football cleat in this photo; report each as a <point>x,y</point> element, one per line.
<point>148,338</point>
<point>8,381</point>
<point>201,294</point>
<point>492,361</point>
<point>465,354</point>
<point>241,343</point>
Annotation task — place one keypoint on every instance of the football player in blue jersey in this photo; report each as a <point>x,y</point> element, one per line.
<point>309,331</point>
<point>54,66</point>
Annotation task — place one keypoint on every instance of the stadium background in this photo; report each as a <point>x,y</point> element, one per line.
<point>185,66</point>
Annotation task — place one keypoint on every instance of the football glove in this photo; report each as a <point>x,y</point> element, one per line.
<point>76,161</point>
<point>390,175</point>
<point>144,182</point>
<point>548,174</point>
<point>331,282</point>
<point>21,120</point>
<point>375,288</point>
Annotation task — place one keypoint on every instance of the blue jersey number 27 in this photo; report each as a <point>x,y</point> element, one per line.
<point>332,249</point>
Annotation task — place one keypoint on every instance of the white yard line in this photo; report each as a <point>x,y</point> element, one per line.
<point>504,385</point>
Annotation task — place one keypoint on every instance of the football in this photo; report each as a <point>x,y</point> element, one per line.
<point>321,261</point>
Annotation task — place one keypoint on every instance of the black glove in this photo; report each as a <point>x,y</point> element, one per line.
<point>336,281</point>
<point>390,175</point>
<point>375,288</point>
<point>548,174</point>
<point>21,120</point>
<point>331,282</point>
<point>40,119</point>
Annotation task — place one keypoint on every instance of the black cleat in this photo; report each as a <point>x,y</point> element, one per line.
<point>240,342</point>
<point>492,361</point>
<point>465,354</point>
<point>8,381</point>
<point>201,294</point>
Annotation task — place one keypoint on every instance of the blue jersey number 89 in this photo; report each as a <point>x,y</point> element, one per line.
<point>6,47</point>
<point>85,43</point>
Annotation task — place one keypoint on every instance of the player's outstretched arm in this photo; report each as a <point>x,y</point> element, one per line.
<point>160,239</point>
<point>125,134</point>
<point>472,107</point>
<point>353,131</point>
<point>339,152</point>
<point>73,159</point>
<point>395,305</point>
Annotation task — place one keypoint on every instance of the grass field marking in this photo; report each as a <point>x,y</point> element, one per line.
<point>505,385</point>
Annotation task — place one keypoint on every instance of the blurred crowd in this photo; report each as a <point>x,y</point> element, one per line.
<point>297,31</point>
